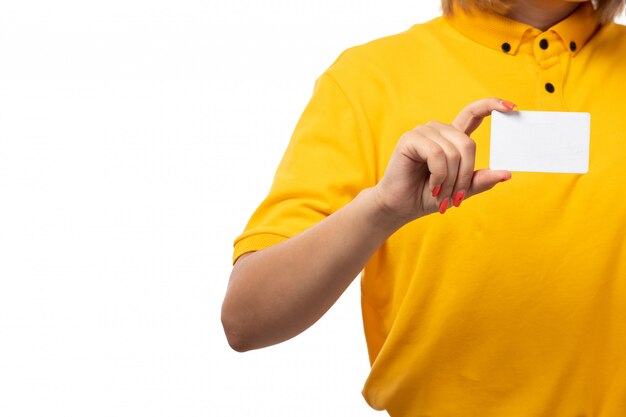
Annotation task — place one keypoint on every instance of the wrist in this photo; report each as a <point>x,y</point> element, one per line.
<point>379,214</point>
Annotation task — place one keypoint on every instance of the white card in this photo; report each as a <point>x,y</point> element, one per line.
<point>540,141</point>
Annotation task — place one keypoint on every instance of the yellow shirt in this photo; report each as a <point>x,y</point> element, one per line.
<point>514,304</point>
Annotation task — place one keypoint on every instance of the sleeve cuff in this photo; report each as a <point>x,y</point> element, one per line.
<point>255,242</point>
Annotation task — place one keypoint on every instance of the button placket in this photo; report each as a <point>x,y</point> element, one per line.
<point>548,51</point>
<point>549,87</point>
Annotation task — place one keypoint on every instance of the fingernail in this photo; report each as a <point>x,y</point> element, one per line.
<point>443,206</point>
<point>458,197</point>
<point>505,179</point>
<point>436,190</point>
<point>507,104</point>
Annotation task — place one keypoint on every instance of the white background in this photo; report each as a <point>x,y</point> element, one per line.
<point>136,138</point>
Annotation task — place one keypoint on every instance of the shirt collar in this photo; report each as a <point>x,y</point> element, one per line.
<point>503,34</point>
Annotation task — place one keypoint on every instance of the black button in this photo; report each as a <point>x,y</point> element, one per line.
<point>506,47</point>
<point>572,46</point>
<point>543,44</point>
<point>549,88</point>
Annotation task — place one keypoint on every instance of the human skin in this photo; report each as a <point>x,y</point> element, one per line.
<point>542,14</point>
<point>278,292</point>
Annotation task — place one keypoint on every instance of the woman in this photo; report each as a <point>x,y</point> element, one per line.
<point>513,304</point>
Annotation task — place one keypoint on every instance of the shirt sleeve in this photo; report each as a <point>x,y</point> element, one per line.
<point>324,167</point>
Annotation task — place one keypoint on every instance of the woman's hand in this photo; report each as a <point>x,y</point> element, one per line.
<point>432,166</point>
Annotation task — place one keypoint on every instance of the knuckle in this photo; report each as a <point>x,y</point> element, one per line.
<point>408,136</point>
<point>424,129</point>
<point>437,152</point>
<point>466,178</point>
<point>469,146</point>
<point>455,157</point>
<point>473,104</point>
<point>474,112</point>
<point>418,130</point>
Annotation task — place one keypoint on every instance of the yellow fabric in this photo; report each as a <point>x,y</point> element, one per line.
<point>514,304</point>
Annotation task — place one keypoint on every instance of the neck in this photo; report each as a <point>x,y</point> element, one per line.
<point>541,14</point>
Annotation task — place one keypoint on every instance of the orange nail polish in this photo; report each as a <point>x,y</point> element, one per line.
<point>443,206</point>
<point>508,104</point>
<point>458,197</point>
<point>436,190</point>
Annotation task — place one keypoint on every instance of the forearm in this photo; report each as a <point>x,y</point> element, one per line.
<point>277,293</point>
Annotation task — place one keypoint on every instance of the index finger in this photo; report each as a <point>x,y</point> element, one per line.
<point>473,114</point>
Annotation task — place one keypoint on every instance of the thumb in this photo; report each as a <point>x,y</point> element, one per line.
<point>486,179</point>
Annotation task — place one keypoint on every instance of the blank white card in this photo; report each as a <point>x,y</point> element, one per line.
<point>540,141</point>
